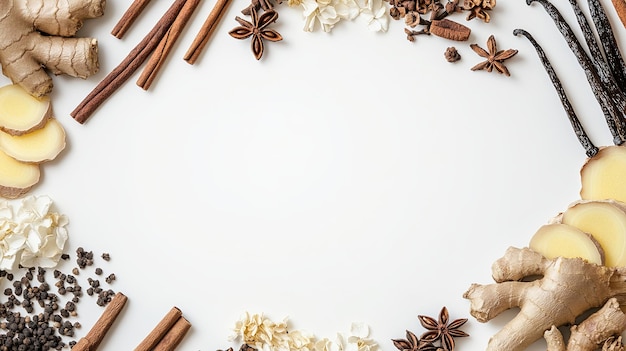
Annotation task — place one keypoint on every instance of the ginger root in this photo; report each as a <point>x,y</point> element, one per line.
<point>36,35</point>
<point>602,176</point>
<point>557,239</point>
<point>38,146</point>
<point>568,287</point>
<point>21,112</point>
<point>605,221</point>
<point>16,178</point>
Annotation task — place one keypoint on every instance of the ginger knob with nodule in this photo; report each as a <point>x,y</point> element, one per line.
<point>39,36</point>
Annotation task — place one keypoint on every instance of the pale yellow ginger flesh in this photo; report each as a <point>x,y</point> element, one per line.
<point>20,112</point>
<point>38,146</point>
<point>566,289</point>
<point>39,36</point>
<point>606,222</point>
<point>16,178</point>
<point>554,240</point>
<point>603,175</point>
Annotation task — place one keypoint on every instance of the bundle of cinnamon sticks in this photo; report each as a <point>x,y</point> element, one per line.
<point>164,337</point>
<point>156,45</point>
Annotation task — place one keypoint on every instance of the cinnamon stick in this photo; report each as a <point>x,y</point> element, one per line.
<point>203,36</point>
<point>96,334</point>
<point>129,17</point>
<point>160,330</point>
<point>174,336</point>
<point>128,66</point>
<point>165,46</point>
<point>620,7</point>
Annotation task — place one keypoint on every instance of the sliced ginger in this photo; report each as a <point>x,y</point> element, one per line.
<point>554,240</point>
<point>20,112</point>
<point>40,145</point>
<point>606,222</point>
<point>603,176</point>
<point>16,178</point>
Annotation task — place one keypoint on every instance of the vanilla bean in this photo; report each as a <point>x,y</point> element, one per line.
<point>607,38</point>
<point>597,55</point>
<point>590,149</point>
<point>129,17</point>
<point>128,66</point>
<point>594,49</point>
<point>615,104</point>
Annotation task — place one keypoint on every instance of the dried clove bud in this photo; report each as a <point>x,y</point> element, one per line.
<point>452,55</point>
<point>412,19</point>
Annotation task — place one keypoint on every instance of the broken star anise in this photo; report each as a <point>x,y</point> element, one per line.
<point>478,9</point>
<point>413,343</point>
<point>495,58</point>
<point>257,30</point>
<point>441,330</point>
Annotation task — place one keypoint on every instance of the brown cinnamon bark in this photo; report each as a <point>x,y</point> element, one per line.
<point>165,46</point>
<point>160,330</point>
<point>128,66</point>
<point>620,7</point>
<point>173,337</point>
<point>129,17</point>
<point>203,36</point>
<point>97,333</point>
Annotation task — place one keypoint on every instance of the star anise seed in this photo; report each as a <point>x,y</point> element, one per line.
<point>441,330</point>
<point>413,343</point>
<point>257,30</point>
<point>495,58</point>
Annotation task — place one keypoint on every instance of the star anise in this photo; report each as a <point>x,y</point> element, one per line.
<point>494,57</point>
<point>257,30</point>
<point>441,330</point>
<point>413,343</point>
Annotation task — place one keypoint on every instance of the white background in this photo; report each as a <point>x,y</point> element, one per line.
<point>350,176</point>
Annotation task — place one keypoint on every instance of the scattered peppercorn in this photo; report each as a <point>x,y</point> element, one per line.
<point>49,327</point>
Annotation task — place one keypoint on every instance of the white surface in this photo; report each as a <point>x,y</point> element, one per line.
<point>350,176</point>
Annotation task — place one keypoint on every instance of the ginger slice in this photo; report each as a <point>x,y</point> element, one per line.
<point>20,112</point>
<point>40,145</point>
<point>16,178</point>
<point>606,222</point>
<point>562,240</point>
<point>603,175</point>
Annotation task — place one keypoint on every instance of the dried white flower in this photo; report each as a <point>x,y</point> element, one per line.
<point>375,15</point>
<point>321,11</point>
<point>359,341</point>
<point>262,333</point>
<point>34,236</point>
<point>329,345</point>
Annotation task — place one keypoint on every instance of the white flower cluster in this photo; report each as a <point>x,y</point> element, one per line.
<point>31,235</point>
<point>328,12</point>
<point>259,332</point>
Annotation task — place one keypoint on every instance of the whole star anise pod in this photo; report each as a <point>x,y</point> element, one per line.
<point>257,30</point>
<point>441,330</point>
<point>495,58</point>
